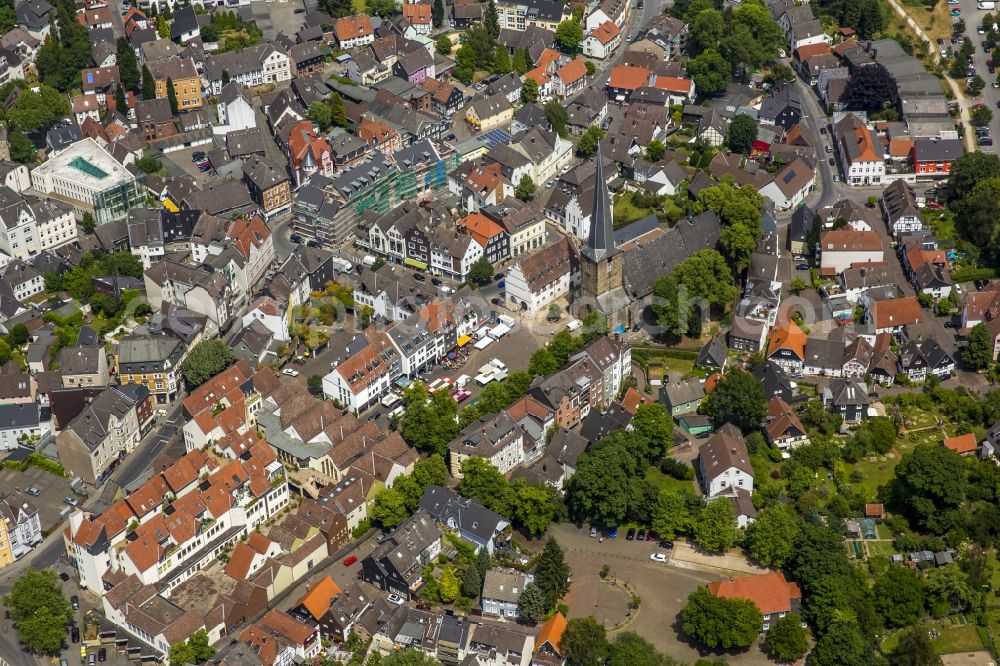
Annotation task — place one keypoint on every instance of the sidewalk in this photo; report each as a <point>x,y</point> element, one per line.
<point>686,557</point>
<point>963,102</point>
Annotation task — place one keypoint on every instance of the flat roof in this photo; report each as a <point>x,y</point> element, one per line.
<point>88,164</point>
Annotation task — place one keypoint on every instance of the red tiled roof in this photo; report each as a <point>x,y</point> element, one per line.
<point>573,71</point>
<point>962,443</point>
<point>352,27</point>
<point>628,77</point>
<point>896,312</point>
<point>770,592</point>
<point>605,32</point>
<point>417,13</point>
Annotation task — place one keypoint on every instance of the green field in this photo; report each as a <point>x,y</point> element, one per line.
<point>664,482</point>
<point>957,639</point>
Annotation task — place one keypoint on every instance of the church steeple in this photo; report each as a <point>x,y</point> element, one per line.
<point>601,242</point>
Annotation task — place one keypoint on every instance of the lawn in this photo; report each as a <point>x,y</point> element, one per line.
<point>626,212</point>
<point>941,222</point>
<point>360,6</point>
<point>664,482</point>
<point>880,548</point>
<point>957,639</point>
<point>935,22</point>
<point>917,418</point>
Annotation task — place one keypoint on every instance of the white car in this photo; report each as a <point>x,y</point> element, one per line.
<point>290,372</point>
<point>658,557</point>
<point>396,599</point>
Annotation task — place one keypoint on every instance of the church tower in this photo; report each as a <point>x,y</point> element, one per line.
<point>600,261</point>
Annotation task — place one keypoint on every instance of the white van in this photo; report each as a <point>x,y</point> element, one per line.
<point>397,413</point>
<point>462,381</point>
<point>368,260</point>
<point>499,365</point>
<point>390,399</point>
<point>986,5</point>
<point>574,325</point>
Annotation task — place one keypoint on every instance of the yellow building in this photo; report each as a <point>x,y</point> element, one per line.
<point>6,552</point>
<point>182,72</point>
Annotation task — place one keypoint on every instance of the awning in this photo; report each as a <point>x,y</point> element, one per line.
<point>415,264</point>
<point>170,205</point>
<point>463,340</point>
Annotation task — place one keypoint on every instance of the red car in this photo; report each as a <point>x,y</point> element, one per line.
<point>350,560</point>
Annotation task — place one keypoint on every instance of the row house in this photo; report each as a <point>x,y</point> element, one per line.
<point>497,439</point>
<point>178,521</point>
<point>153,361</point>
<point>842,248</point>
<point>309,153</point>
<point>861,155</point>
<point>30,225</point>
<point>222,406</point>
<point>102,434</point>
<point>538,280</point>
<point>201,289</point>
<point>602,41</point>
<point>251,67</point>
<point>361,380</point>
<point>480,184</point>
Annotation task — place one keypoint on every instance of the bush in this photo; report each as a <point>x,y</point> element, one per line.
<point>676,469</point>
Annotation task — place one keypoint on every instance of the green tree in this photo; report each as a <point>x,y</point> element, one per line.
<point>533,507</point>
<point>584,642</point>
<point>707,30</point>
<point>899,597</point>
<point>569,35</point>
<point>608,483</point>
<point>672,515</point>
<point>715,527</point>
<point>37,604</point>
<point>483,563</point>
<point>128,65</point>
<point>552,572</point>
<point>703,279</point>
<point>207,359</point>
<point>338,114</point>
<point>555,114</point>
<point>948,589</point>
<point>389,508</point>
<point>448,586</point>
<point>771,538</point>
<point>172,96</point>
<point>930,485</point>
<point>542,362</point>
<point>501,61</point>
<point>121,103</point>
<point>978,353</point>
<point>437,13</point>
<point>738,398</point>
<point>718,622</point>
<point>842,644</point>
<point>532,604</point>
<point>587,145</point>
<point>162,27</point>
<point>631,649</point>
<point>484,482</point>
<point>710,72</point>
<point>148,83</point>
<point>21,149</point>
<point>491,20</point>
<point>18,334</point>
<point>521,65</point>
<point>37,110</point>
<point>981,116</point>
<point>786,640</point>
<point>315,385</point>
<point>149,164</point>
<point>741,134</point>
<point>914,649</point>
<point>652,424</point>
<point>529,90</point>
<point>319,113</point>
<point>481,271</point>
<point>968,170</point>
<point>525,188</point>
<point>472,583</point>
<point>590,67</point>
<point>407,657</point>
<point>429,425</point>
<point>195,650</point>
<point>443,45</point>
<point>655,150</point>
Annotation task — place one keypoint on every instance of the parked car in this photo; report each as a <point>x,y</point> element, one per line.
<point>593,532</point>
<point>613,533</point>
<point>72,501</point>
<point>658,557</point>
<point>295,238</point>
<point>74,634</point>
<point>950,324</point>
<point>396,599</point>
<point>74,601</point>
<point>291,372</point>
<point>666,543</point>
<point>801,267</point>
<point>831,162</point>
<point>63,576</point>
<point>641,536</point>
<point>348,561</point>
<point>102,654</point>
<point>419,277</point>
<point>33,491</point>
<point>436,282</point>
<point>630,535</point>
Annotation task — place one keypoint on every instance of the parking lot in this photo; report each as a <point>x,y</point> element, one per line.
<point>662,588</point>
<point>51,491</point>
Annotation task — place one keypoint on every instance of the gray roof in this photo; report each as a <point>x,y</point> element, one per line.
<point>92,424</point>
<point>645,263</point>
<point>600,244</point>
<point>683,392</point>
<point>19,416</point>
<point>148,353</point>
<point>467,515</point>
<point>938,150</point>
<point>505,586</point>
